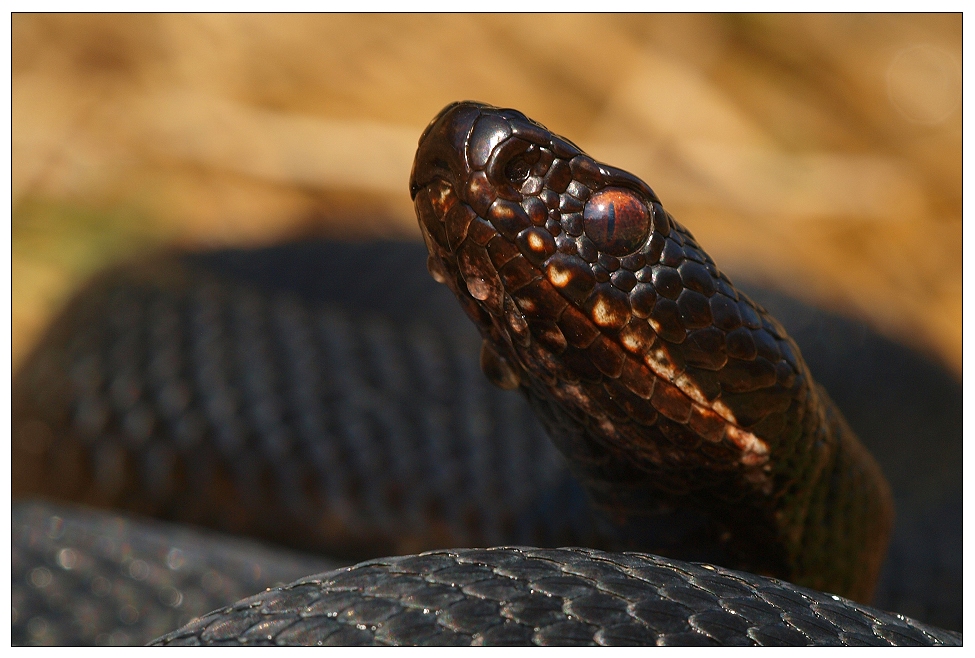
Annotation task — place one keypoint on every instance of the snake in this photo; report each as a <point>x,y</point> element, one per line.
<point>684,420</point>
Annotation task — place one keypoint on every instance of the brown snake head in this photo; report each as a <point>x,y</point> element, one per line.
<point>643,360</point>
<point>580,279</point>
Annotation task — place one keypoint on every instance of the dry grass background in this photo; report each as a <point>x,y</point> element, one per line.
<point>817,153</point>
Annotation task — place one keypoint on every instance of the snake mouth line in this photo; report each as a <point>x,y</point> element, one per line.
<point>475,285</point>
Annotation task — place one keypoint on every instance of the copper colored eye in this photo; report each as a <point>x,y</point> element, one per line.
<point>616,220</point>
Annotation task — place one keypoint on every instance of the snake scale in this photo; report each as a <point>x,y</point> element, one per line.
<point>167,391</point>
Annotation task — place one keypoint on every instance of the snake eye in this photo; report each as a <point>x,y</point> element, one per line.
<point>616,220</point>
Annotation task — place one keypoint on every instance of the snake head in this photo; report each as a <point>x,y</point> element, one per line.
<point>591,296</point>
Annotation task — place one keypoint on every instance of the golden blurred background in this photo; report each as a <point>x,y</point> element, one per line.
<point>819,154</point>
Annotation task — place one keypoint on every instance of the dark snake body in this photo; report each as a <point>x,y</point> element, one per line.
<point>257,464</point>
<point>561,597</point>
<point>178,396</point>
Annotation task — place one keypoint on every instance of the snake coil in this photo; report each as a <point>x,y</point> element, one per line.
<point>680,405</point>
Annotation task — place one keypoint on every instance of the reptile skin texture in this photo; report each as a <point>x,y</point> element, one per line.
<point>549,597</point>
<point>669,392</point>
<point>82,577</point>
<point>177,395</point>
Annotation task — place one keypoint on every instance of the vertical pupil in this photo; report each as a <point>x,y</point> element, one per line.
<point>617,221</point>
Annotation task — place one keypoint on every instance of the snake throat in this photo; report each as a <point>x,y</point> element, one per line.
<point>668,390</point>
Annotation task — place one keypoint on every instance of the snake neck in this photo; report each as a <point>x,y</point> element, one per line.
<point>820,515</point>
<point>844,516</point>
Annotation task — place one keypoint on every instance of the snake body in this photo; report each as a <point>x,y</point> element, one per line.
<point>180,395</point>
<point>668,514</point>
<point>563,597</point>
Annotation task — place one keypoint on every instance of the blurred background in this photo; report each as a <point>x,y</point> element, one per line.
<point>816,154</point>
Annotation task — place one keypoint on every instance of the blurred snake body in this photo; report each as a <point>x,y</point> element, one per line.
<point>680,405</point>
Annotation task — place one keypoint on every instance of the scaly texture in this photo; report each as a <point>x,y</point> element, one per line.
<point>561,597</point>
<point>166,391</point>
<point>82,577</point>
<point>670,392</point>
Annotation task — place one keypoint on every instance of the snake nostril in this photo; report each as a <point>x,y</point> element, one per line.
<point>517,170</point>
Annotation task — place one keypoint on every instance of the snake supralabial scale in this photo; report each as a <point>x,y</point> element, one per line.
<point>683,406</point>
